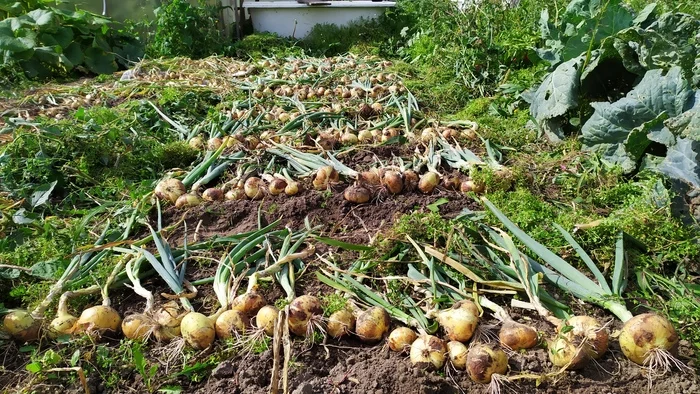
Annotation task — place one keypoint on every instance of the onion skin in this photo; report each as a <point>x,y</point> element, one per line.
<point>229,323</point>
<point>277,186</point>
<point>213,194</point>
<point>460,321</point>
<point>170,189</point>
<point>168,319</point>
<point>517,336</point>
<point>563,353</point>
<point>235,194</point>
<point>645,333</point>
<point>137,326</point>
<point>586,328</point>
<point>187,200</point>
<point>98,319</point>
<point>266,318</point>
<point>61,325</point>
<point>483,361</point>
<point>292,188</point>
<point>341,323</point>
<point>324,177</point>
<point>393,182</point>
<point>457,352</point>
<point>357,194</point>
<point>410,180</point>
<point>428,352</point>
<point>248,303</point>
<point>198,330</point>
<point>401,339</point>
<point>428,182</point>
<point>22,326</point>
<point>371,178</point>
<point>372,324</point>
<point>301,312</point>
<point>253,188</point>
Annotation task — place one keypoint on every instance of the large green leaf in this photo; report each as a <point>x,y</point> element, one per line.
<point>99,61</point>
<point>681,162</point>
<point>74,53</point>
<point>15,41</point>
<point>43,17</point>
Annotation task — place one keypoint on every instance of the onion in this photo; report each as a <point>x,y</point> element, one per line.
<point>451,183</point>
<point>324,177</point>
<point>137,326</point>
<point>228,323</point>
<point>253,188</point>
<point>372,177</point>
<point>563,353</point>
<point>471,186</point>
<point>393,182</point>
<point>401,338</point>
<point>213,194</point>
<point>170,189</point>
<point>196,143</point>
<point>410,180</point>
<point>248,303</point>
<point>457,353</point>
<point>483,361</point>
<point>428,182</point>
<point>98,319</point>
<point>365,136</point>
<point>428,134</point>
<point>214,143</point>
<point>292,188</point>
<point>235,194</point>
<point>349,138</point>
<point>277,186</point>
<point>341,323</point>
<point>304,311</point>
<point>168,319</point>
<point>428,352</point>
<point>372,324</point>
<point>187,200</point>
<point>588,329</point>
<point>357,194</point>
<point>266,319</point>
<point>198,330</point>
<point>22,326</point>
<point>460,321</point>
<point>62,325</point>
<point>516,336</point>
<point>648,337</point>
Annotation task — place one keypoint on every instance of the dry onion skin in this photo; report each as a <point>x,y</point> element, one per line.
<point>170,189</point>
<point>304,312</point>
<point>428,352</point>
<point>254,188</point>
<point>517,336</point>
<point>357,194</point>
<point>266,318</point>
<point>428,182</point>
<point>460,321</point>
<point>138,326</point>
<point>22,326</point>
<point>457,352</point>
<point>167,321</point>
<point>401,339</point>
<point>213,194</point>
<point>341,323</point>
<point>187,200</point>
<point>61,325</point>
<point>98,319</point>
<point>248,303</point>
<point>586,329</point>
<point>649,339</point>
<point>229,324</point>
<point>372,324</point>
<point>483,361</point>
<point>393,182</point>
<point>198,330</point>
<point>565,354</point>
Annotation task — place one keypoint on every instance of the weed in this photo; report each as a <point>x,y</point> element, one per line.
<point>147,374</point>
<point>332,303</point>
<point>183,29</point>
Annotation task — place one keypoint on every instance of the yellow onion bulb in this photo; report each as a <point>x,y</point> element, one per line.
<point>277,186</point>
<point>292,188</point>
<point>372,177</point>
<point>196,143</point>
<point>372,324</point>
<point>357,194</point>
<point>324,177</point>
<point>248,303</point>
<point>62,324</point>
<point>460,321</point>
<point>451,182</point>
<point>214,143</point>
<point>401,339</point>
<point>517,336</point>
<point>303,310</point>
<point>170,189</point>
<point>428,352</point>
<point>138,326</point>
<point>213,194</point>
<point>365,136</point>
<point>235,194</point>
<point>589,330</point>
<point>393,182</point>
<point>98,319</point>
<point>469,185</point>
<point>564,353</point>
<point>484,360</point>
<point>341,323</point>
<point>187,200</point>
<point>229,323</point>
<point>254,188</point>
<point>644,335</point>
<point>198,330</point>
<point>428,182</point>
<point>457,353</point>
<point>266,318</point>
<point>349,138</point>
<point>168,319</point>
<point>22,326</point>
<point>410,180</point>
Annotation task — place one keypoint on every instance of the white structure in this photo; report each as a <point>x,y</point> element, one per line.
<point>290,18</point>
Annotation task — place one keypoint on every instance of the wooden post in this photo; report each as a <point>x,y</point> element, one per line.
<point>228,13</point>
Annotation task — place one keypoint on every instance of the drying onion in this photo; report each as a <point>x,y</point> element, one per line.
<point>393,182</point>
<point>586,329</point>
<point>21,325</point>
<point>357,194</point>
<point>372,324</point>
<point>349,138</point>
<point>324,177</point>
<point>428,182</point>
<point>168,319</point>
<point>196,143</point>
<point>229,323</point>
<point>277,186</point>
<point>98,319</point>
<point>516,336</point>
<point>365,136</point>
<point>235,194</point>
<point>170,189</point>
<point>292,188</point>
<point>213,194</point>
<point>187,200</point>
<point>410,180</point>
<point>460,321</point>
<point>457,352</point>
<point>563,353</point>
<point>248,303</point>
<point>483,361</point>
<point>428,352</point>
<point>341,323</point>
<point>372,177</point>
<point>198,330</point>
<point>214,143</point>
<point>137,326</point>
<point>401,339</point>
<point>471,186</point>
<point>62,324</point>
<point>304,311</point>
<point>266,319</point>
<point>648,337</point>
<point>253,188</point>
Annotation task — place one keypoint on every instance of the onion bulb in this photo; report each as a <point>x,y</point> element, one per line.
<point>648,336</point>
<point>248,303</point>
<point>229,323</point>
<point>235,194</point>
<point>564,353</point>
<point>365,136</point>
<point>187,200</point>
<point>170,189</point>
<point>410,180</point>
<point>393,182</point>
<point>357,194</point>
<point>253,188</point>
<point>372,177</point>
<point>214,143</point>
<point>428,182</point>
<point>457,352</point>
<point>460,321</point>
<point>428,352</point>
<point>168,319</point>
<point>324,177</point>
<point>451,182</point>
<point>98,319</point>
<point>341,323</point>
<point>483,361</point>
<point>61,325</point>
<point>586,329</point>
<point>401,338</point>
<point>471,186</point>
<point>303,312</point>
<point>137,326</point>
<point>22,326</point>
<point>196,143</point>
<point>292,188</point>
<point>198,330</point>
<point>349,138</point>
<point>277,186</point>
<point>516,336</point>
<point>372,324</point>
<point>213,194</point>
<point>266,319</point>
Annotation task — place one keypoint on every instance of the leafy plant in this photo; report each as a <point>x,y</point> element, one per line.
<point>147,374</point>
<point>183,29</point>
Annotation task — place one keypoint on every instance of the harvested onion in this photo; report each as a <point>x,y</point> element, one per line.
<point>213,194</point>
<point>460,321</point>
<point>357,194</point>
<point>483,361</point>
<point>304,312</point>
<point>21,325</point>
<point>138,326</point>
<point>410,180</point>
<point>647,338</point>
<point>198,330</point>
<point>62,324</point>
<point>428,182</point>
<point>324,177</point>
<point>187,200</point>
<point>393,182</point>
<point>516,336</point>
<point>98,319</point>
<point>253,188</point>
<point>266,318</point>
<point>588,329</point>
<point>292,188</point>
<point>457,352</point>
<point>428,352</point>
<point>341,323</point>
<point>248,303</point>
<point>401,338</point>
<point>229,323</point>
<point>372,324</point>
<point>277,186</point>
<point>170,189</point>
<point>564,353</point>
